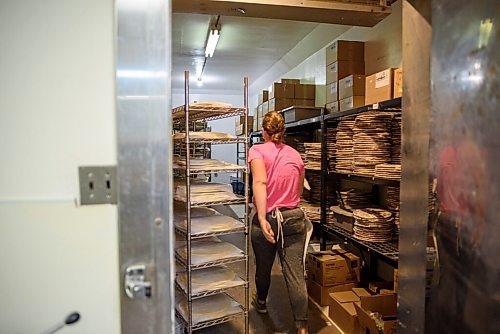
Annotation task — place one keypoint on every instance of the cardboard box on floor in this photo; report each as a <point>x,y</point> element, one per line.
<point>342,309</point>
<point>320,294</point>
<point>345,50</point>
<point>333,267</point>
<point>379,86</point>
<point>385,305</point>
<point>398,83</point>
<point>343,68</point>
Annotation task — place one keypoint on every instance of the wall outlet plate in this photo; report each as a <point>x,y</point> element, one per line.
<point>97,185</point>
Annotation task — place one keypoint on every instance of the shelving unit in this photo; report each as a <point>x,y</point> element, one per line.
<point>183,117</point>
<point>385,251</point>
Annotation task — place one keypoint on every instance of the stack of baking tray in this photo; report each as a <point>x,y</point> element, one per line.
<point>373,225</point>
<point>331,134</point>
<point>388,171</point>
<point>311,210</point>
<point>396,139</point>
<point>314,194</point>
<point>312,155</point>
<point>372,142</point>
<point>344,152</point>
<point>355,198</point>
<point>392,203</point>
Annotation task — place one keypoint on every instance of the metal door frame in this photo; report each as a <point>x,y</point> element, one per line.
<point>143,102</point>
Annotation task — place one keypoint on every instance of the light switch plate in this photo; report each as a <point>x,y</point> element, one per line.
<point>97,185</point>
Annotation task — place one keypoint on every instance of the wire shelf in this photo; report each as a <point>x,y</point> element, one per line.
<point>367,179</point>
<point>205,113</point>
<point>389,250</point>
<point>207,293</point>
<point>213,141</point>
<point>211,170</point>
<point>212,263</point>
<point>210,234</point>
<point>239,200</point>
<point>210,323</point>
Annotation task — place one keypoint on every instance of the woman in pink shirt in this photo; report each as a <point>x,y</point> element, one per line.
<point>278,225</point>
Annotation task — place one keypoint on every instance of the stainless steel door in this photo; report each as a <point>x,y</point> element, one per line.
<point>143,67</point>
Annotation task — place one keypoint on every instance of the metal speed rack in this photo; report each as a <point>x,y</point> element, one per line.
<point>183,118</point>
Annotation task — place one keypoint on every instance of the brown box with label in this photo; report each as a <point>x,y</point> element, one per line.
<point>334,267</point>
<point>282,91</point>
<point>264,96</point>
<point>351,102</point>
<point>352,85</point>
<point>320,294</point>
<point>342,310</point>
<point>279,104</point>
<point>385,305</point>
<point>332,107</point>
<point>305,92</point>
<point>378,86</point>
<point>345,50</point>
<point>332,92</point>
<point>398,82</point>
<point>343,68</point>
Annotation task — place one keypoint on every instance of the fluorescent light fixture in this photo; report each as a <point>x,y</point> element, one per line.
<point>213,38</point>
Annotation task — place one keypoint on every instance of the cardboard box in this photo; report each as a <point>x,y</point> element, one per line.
<point>320,294</point>
<point>398,83</point>
<point>331,92</point>
<point>343,218</point>
<point>265,108</point>
<point>343,68</point>
<point>299,113</point>
<point>305,92</point>
<point>239,122</point>
<point>259,110</point>
<point>385,305</point>
<point>333,267</point>
<point>378,86</point>
<point>377,287</point>
<point>345,50</point>
<point>279,104</point>
<point>290,81</point>
<point>264,96</point>
<point>282,91</point>
<point>304,103</point>
<point>256,125</point>
<point>351,102</point>
<point>342,310</point>
<point>332,107</point>
<point>352,85</point>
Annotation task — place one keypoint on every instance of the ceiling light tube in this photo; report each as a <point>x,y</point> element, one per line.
<point>213,38</point>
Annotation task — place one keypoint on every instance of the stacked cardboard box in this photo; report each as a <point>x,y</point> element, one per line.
<point>343,59</point>
<point>290,92</point>
<point>240,122</point>
<point>331,271</point>
<point>380,86</point>
<point>342,310</point>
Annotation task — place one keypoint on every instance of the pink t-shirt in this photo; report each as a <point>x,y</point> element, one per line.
<point>283,168</point>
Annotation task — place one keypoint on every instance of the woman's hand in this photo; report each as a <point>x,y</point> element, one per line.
<point>267,230</point>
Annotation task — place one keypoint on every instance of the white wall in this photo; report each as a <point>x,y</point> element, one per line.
<point>57,112</point>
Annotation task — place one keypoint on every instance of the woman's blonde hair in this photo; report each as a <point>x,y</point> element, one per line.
<point>274,125</point>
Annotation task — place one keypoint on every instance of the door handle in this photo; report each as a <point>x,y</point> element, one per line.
<point>136,286</point>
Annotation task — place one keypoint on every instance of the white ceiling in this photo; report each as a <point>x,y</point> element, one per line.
<point>247,47</point>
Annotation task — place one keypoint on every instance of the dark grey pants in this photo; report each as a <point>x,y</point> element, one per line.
<point>291,258</point>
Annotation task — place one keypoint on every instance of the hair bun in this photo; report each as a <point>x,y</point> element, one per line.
<point>274,125</point>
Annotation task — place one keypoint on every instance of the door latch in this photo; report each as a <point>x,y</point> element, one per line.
<point>136,286</point>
